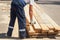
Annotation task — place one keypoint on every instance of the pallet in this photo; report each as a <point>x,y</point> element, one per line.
<point>44,24</point>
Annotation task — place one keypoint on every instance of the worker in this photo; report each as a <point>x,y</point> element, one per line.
<point>17,10</point>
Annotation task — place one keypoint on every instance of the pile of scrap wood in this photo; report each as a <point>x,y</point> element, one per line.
<point>44,26</point>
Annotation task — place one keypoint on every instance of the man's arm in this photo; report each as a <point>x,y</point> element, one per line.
<point>31,10</point>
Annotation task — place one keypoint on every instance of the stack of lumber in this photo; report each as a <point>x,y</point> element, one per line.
<point>44,24</point>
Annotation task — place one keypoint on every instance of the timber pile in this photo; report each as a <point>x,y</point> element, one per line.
<point>44,26</point>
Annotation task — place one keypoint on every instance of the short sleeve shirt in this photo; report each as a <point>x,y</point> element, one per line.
<point>31,2</point>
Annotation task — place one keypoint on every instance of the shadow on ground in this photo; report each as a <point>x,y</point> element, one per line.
<point>3,36</point>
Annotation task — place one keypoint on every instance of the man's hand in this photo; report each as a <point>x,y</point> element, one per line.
<point>31,15</point>
<point>32,22</point>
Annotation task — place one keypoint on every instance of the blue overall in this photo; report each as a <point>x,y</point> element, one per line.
<point>17,10</point>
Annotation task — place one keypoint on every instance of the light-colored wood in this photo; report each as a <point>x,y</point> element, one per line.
<point>43,15</point>
<point>44,23</point>
<point>28,26</point>
<point>30,30</point>
<point>36,26</point>
<point>50,26</point>
<point>43,26</point>
<point>51,31</point>
<point>57,27</point>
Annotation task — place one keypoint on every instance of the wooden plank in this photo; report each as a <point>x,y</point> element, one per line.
<point>57,27</point>
<point>43,26</point>
<point>51,31</point>
<point>44,17</point>
<point>47,23</point>
<point>29,28</point>
<point>36,26</point>
<point>31,31</point>
<point>53,23</point>
<point>50,26</point>
<point>42,23</point>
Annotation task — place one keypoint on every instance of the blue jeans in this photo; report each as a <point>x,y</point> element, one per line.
<point>17,11</point>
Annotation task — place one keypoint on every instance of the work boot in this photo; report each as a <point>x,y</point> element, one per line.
<point>22,35</point>
<point>7,36</point>
<point>9,33</point>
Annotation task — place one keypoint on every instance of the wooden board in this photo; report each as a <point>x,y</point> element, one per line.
<point>43,26</point>
<point>55,26</point>
<point>46,21</point>
<point>36,26</point>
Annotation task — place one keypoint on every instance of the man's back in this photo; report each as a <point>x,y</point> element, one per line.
<point>23,2</point>
<point>19,2</point>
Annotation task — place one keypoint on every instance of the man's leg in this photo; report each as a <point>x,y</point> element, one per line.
<point>12,20</point>
<point>21,22</point>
